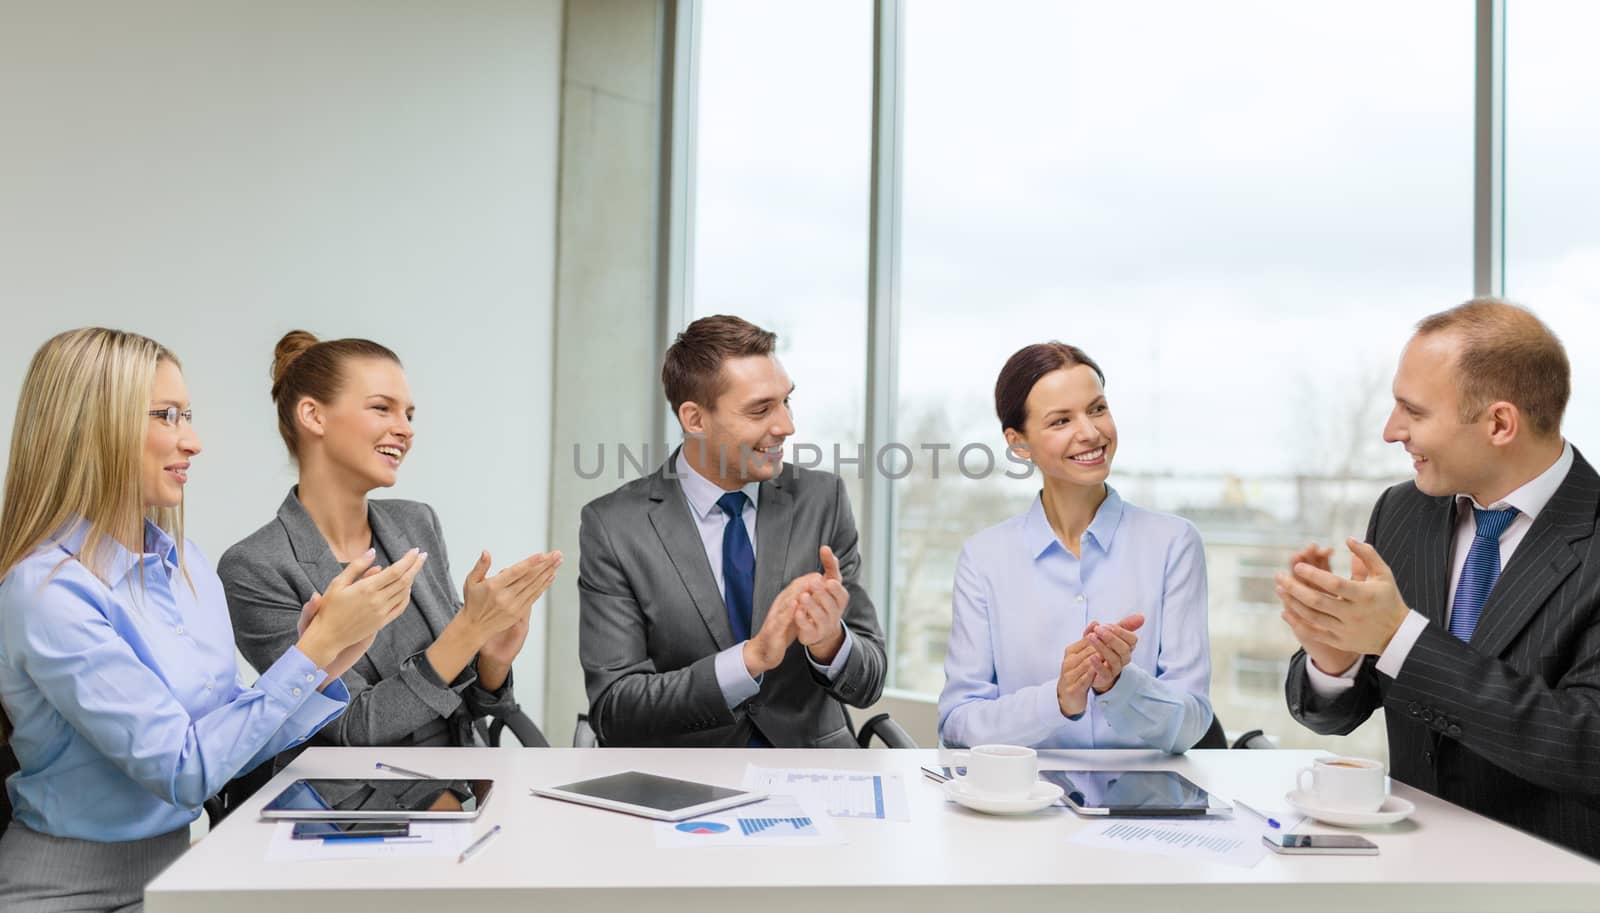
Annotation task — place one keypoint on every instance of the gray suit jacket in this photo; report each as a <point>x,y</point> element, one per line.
<point>1507,725</point>
<point>652,621</point>
<point>395,696</point>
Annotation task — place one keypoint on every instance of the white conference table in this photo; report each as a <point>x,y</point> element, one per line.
<point>560,856</point>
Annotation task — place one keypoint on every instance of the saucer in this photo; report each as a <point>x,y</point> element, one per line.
<point>1393,809</point>
<point>1042,794</point>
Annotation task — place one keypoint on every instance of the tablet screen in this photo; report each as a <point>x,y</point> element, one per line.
<point>410,798</point>
<point>1130,790</point>
<point>650,791</point>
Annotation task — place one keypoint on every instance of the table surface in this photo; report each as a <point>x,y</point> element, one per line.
<point>560,855</point>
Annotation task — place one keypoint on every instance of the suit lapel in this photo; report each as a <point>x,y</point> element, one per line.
<point>1433,548</point>
<point>320,567</point>
<point>310,549</point>
<point>680,537</point>
<point>395,543</point>
<point>774,519</point>
<point>1542,560</point>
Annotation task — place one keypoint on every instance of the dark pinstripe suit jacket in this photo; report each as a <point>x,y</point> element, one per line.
<point>1507,725</point>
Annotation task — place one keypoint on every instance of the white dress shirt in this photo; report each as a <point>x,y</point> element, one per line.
<point>702,494</point>
<point>1529,500</point>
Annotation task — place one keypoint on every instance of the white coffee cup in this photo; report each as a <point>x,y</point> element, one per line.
<point>997,770</point>
<point>1346,784</point>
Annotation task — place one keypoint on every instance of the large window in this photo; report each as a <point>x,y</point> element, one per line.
<point>1239,208</point>
<point>780,238</point>
<point>1552,87</point>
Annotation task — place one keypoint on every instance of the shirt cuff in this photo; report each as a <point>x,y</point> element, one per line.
<point>1327,685</point>
<point>420,676</point>
<point>1129,686</point>
<point>1405,637</point>
<point>831,670</point>
<point>467,676</point>
<point>733,678</point>
<point>291,680</point>
<point>483,698</point>
<point>1047,709</point>
<point>318,711</point>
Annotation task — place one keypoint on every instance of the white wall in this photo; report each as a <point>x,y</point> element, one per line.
<point>213,173</point>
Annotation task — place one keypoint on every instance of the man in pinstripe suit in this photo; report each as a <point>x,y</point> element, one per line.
<point>1472,615</point>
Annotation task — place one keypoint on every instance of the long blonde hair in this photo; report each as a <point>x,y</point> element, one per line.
<point>77,449</point>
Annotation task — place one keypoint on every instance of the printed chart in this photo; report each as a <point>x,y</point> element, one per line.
<point>775,821</point>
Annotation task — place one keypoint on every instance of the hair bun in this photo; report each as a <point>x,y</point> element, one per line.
<point>287,350</point>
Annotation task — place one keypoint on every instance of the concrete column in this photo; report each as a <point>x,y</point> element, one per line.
<point>607,391</point>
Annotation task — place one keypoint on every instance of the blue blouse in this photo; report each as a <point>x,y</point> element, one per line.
<point>1021,599</point>
<point>125,699</point>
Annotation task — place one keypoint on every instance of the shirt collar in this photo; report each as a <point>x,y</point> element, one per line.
<point>1533,495</point>
<point>1102,529</point>
<point>702,493</point>
<point>119,561</point>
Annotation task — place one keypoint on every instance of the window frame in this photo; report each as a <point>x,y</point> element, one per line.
<point>675,230</point>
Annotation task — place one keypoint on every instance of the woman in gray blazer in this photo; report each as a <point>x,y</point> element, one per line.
<point>344,411</point>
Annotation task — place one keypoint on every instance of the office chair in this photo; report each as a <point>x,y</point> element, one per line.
<point>8,766</point>
<point>883,726</point>
<point>583,735</point>
<point>524,729</point>
<point>245,785</point>
<point>1216,738</point>
<point>1255,738</point>
<point>890,733</point>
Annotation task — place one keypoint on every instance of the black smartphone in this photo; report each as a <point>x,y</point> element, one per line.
<point>349,830</point>
<point>1320,844</point>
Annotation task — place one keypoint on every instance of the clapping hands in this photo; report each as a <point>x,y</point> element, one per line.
<point>1095,662</point>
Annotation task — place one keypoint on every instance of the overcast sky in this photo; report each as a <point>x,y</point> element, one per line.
<point>1239,208</point>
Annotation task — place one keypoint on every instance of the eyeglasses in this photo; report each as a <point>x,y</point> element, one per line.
<point>170,415</point>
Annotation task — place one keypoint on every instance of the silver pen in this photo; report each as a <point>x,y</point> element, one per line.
<point>405,773</point>
<point>1271,821</point>
<point>477,844</point>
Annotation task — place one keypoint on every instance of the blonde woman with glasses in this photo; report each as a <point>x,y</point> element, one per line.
<point>117,672</point>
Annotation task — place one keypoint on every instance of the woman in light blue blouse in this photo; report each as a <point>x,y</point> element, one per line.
<point>117,673</point>
<point>1082,622</point>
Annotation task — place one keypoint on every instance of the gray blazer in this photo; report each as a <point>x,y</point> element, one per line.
<point>651,620</point>
<point>395,696</point>
<point>1506,725</point>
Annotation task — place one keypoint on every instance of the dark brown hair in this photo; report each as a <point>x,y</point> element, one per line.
<point>1024,369</point>
<point>302,366</point>
<point>1508,355</point>
<point>692,369</point>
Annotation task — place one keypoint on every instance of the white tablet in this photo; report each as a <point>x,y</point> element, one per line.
<point>650,796</point>
<point>386,799</point>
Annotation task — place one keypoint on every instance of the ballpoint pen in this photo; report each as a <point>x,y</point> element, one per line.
<point>477,844</point>
<point>1271,822</point>
<point>403,772</point>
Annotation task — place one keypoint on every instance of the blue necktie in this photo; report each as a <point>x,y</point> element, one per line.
<point>738,565</point>
<point>1481,571</point>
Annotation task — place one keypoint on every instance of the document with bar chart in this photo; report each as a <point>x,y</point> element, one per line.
<point>1223,840</point>
<point>842,793</point>
<point>777,821</point>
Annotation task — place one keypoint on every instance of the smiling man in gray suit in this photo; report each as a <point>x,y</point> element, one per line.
<point>1473,612</point>
<point>720,602</point>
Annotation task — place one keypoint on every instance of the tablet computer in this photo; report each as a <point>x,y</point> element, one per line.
<point>1133,793</point>
<point>650,796</point>
<point>371,799</point>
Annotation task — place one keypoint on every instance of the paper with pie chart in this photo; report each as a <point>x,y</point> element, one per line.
<point>778,821</point>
